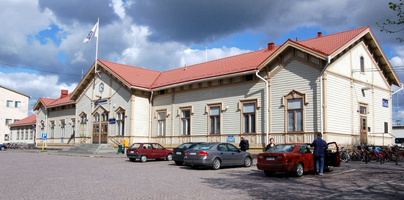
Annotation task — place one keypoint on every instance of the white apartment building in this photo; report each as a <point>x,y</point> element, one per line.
<point>13,107</point>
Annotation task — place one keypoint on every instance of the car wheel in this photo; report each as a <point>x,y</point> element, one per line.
<point>132,159</point>
<point>328,168</point>
<point>169,157</point>
<point>216,164</point>
<point>2,148</point>
<point>179,163</point>
<point>268,173</point>
<point>247,162</point>
<point>299,170</point>
<point>143,158</point>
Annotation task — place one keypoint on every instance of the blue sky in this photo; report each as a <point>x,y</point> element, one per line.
<point>42,50</point>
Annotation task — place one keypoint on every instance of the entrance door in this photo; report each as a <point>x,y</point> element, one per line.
<point>104,133</point>
<point>96,133</point>
<point>364,131</point>
<point>363,124</point>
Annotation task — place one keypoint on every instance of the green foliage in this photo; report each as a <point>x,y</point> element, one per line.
<point>385,26</point>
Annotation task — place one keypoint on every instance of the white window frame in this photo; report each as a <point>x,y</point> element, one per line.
<point>186,121</point>
<point>249,117</point>
<point>215,119</point>
<point>9,104</point>
<point>161,123</point>
<point>120,122</point>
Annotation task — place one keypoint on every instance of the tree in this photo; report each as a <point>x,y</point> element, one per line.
<point>386,26</point>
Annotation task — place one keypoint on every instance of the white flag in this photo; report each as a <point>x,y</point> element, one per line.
<point>91,34</point>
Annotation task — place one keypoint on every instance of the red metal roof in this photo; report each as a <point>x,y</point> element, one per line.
<point>26,121</point>
<point>48,102</point>
<point>330,43</point>
<point>150,79</point>
<point>230,65</point>
<point>135,76</point>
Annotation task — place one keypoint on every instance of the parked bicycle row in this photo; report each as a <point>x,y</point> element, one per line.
<point>373,153</point>
<point>19,145</point>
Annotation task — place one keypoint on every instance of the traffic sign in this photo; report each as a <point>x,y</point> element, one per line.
<point>44,136</point>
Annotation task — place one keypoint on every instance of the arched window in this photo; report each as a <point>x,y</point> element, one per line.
<point>362,64</point>
<point>120,121</point>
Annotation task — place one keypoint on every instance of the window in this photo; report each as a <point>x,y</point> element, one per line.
<point>295,115</point>
<point>96,117</point>
<point>186,122</point>
<point>83,119</point>
<point>9,121</point>
<point>42,125</point>
<point>249,117</point>
<point>362,110</point>
<point>121,122</point>
<point>362,64</point>
<point>104,116</point>
<point>63,128</point>
<point>31,134</point>
<point>52,129</point>
<point>18,104</point>
<point>214,117</point>
<point>161,117</point>
<point>9,103</point>
<point>16,120</point>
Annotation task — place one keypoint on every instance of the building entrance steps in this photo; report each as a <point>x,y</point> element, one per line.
<point>91,148</point>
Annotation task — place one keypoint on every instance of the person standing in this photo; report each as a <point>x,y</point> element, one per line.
<point>244,145</point>
<point>320,147</point>
<point>271,144</point>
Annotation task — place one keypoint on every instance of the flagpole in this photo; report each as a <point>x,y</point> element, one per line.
<point>96,46</point>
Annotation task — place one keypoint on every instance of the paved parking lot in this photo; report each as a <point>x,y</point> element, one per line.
<point>34,175</point>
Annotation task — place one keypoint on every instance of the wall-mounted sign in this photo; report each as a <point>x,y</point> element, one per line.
<point>385,103</point>
<point>231,138</point>
<point>112,121</point>
<point>100,102</point>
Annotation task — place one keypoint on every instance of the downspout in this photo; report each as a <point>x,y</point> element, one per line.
<point>150,115</point>
<point>265,106</point>
<point>321,95</point>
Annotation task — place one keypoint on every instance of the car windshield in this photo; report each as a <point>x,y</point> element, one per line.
<point>203,146</point>
<point>185,145</point>
<point>135,146</point>
<point>281,148</point>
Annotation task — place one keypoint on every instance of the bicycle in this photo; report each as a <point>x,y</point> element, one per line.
<point>344,155</point>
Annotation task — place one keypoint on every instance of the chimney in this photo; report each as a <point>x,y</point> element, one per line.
<point>64,93</point>
<point>319,34</point>
<point>271,46</point>
<point>297,39</point>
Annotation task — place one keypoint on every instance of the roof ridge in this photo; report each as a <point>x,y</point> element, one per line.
<point>128,65</point>
<point>194,65</point>
<point>333,34</point>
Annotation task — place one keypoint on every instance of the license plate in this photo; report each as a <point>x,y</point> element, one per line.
<point>270,158</point>
<point>192,154</point>
<point>178,153</point>
<point>131,152</point>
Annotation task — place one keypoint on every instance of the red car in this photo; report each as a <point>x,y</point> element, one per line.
<point>144,151</point>
<point>297,158</point>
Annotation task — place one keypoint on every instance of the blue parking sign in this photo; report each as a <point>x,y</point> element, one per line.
<point>44,136</point>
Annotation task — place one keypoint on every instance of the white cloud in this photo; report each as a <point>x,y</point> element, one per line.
<point>35,85</point>
<point>399,59</point>
<point>118,8</point>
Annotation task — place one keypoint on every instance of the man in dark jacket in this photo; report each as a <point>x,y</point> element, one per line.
<point>320,147</point>
<point>244,145</point>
